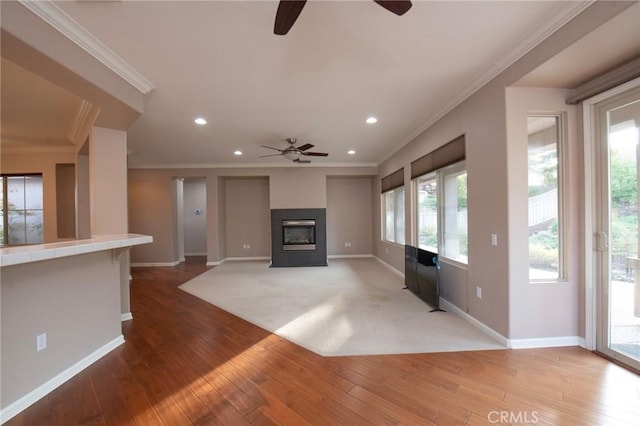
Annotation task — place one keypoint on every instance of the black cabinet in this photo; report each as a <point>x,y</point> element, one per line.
<point>422,275</point>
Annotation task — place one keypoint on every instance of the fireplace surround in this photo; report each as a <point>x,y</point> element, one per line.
<point>298,237</point>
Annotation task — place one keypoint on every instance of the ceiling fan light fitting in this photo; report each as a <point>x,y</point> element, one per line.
<point>291,155</point>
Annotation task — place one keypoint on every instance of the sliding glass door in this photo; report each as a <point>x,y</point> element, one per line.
<point>616,239</point>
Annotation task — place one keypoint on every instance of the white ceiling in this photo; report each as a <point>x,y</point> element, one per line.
<point>341,62</point>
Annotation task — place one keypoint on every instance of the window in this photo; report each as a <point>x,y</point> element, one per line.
<point>442,212</point>
<point>393,202</point>
<point>21,213</point>
<point>454,195</point>
<point>545,242</point>
<point>427,217</point>
<point>440,179</point>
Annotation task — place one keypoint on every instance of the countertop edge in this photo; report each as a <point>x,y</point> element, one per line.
<point>10,256</point>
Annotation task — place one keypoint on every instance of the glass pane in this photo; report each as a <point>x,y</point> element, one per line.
<point>33,192</point>
<point>34,228</point>
<point>17,227</point>
<point>544,240</point>
<point>15,193</point>
<point>427,189</point>
<point>399,213</point>
<point>388,206</point>
<point>455,215</point>
<point>624,287</point>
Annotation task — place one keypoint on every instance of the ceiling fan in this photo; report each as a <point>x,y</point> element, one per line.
<point>289,10</point>
<point>294,153</point>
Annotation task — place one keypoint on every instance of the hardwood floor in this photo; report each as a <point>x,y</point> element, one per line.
<point>187,362</point>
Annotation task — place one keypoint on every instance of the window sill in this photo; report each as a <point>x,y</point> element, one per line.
<point>550,281</point>
<point>453,262</point>
<point>392,243</point>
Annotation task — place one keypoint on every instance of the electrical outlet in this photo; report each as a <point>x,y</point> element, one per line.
<point>478,292</point>
<point>41,342</point>
<point>494,240</point>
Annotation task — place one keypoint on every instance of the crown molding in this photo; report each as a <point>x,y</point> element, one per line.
<point>36,149</point>
<point>84,117</point>
<point>246,165</point>
<point>67,26</point>
<point>564,13</point>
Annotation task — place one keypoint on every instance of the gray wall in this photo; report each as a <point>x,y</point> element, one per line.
<point>194,225</point>
<point>152,205</point>
<point>349,216</point>
<point>247,217</point>
<point>66,200</point>
<point>75,300</point>
<point>490,168</point>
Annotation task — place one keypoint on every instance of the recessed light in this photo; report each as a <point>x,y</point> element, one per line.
<point>237,152</point>
<point>372,120</point>
<point>351,152</point>
<point>201,121</point>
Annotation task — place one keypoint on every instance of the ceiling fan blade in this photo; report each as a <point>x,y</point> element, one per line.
<point>297,160</point>
<point>315,154</point>
<point>276,149</point>
<point>288,12</point>
<point>270,155</point>
<point>305,147</point>
<point>399,7</point>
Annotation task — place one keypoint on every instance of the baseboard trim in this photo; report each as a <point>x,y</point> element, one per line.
<point>582,342</point>
<point>448,306</point>
<point>394,270</point>
<point>195,254</point>
<point>126,317</point>
<point>240,259</point>
<point>349,256</point>
<point>153,264</point>
<point>544,342</point>
<point>43,390</point>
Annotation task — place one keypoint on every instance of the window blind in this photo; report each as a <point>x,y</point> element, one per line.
<point>392,181</point>
<point>606,81</point>
<point>446,155</point>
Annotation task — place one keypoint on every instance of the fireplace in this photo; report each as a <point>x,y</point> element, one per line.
<point>298,237</point>
<point>299,234</point>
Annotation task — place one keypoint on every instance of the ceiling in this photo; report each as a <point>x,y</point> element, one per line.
<point>342,62</point>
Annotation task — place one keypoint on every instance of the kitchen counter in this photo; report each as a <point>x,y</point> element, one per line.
<point>38,252</point>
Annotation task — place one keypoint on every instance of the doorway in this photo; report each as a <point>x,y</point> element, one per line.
<point>191,197</point>
<point>616,168</point>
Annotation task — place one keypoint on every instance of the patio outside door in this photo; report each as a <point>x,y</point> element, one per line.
<point>618,263</point>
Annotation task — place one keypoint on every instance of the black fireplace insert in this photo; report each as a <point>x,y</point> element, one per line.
<point>299,234</point>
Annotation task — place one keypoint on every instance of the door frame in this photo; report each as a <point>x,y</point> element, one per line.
<point>590,137</point>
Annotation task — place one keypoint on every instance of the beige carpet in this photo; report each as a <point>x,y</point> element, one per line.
<point>351,307</point>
